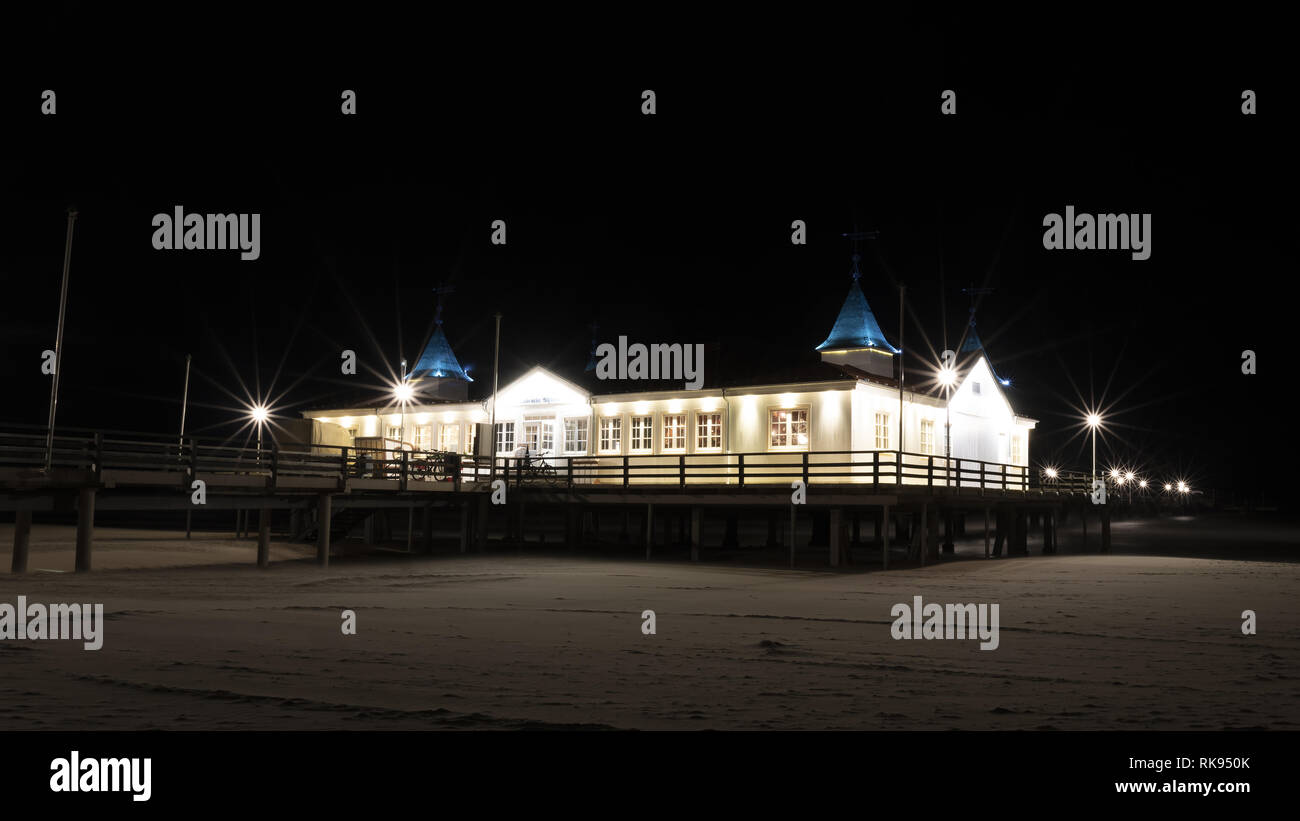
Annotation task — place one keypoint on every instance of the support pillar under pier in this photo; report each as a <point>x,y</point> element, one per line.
<point>836,536</point>
<point>22,541</point>
<point>264,537</point>
<point>85,527</point>
<point>324,506</point>
<point>884,538</point>
<point>697,525</point>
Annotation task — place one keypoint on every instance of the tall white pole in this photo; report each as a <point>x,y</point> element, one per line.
<point>58,343</point>
<point>492,424</point>
<point>185,399</point>
<point>401,432</point>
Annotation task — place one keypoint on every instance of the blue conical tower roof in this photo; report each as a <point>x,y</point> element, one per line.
<point>856,326</point>
<point>438,360</point>
<point>974,344</point>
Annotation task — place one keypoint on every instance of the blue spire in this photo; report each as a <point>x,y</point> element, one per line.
<point>856,326</point>
<point>973,344</point>
<point>438,360</point>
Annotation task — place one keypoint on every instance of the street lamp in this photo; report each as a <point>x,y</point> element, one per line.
<point>259,414</point>
<point>1094,421</point>
<point>403,392</point>
<point>947,378</point>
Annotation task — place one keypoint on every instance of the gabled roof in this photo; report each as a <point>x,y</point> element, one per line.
<point>438,360</point>
<point>856,326</point>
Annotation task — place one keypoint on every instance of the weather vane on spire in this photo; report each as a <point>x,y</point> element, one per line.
<point>441,291</point>
<point>857,236</point>
<point>973,292</point>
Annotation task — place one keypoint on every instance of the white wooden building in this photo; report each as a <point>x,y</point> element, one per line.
<point>851,415</point>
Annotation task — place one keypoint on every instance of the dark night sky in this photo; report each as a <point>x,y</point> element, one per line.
<point>668,228</point>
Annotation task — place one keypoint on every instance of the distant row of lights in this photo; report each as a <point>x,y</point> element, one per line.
<point>1127,477</point>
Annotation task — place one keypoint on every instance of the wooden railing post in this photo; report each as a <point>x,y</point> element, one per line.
<point>343,465</point>
<point>929,471</point>
<point>805,469</point>
<point>740,462</point>
<point>569,462</point>
<point>626,478</point>
<point>875,469</point>
<point>275,465</point>
<point>406,461</point>
<point>681,469</point>
<point>194,459</point>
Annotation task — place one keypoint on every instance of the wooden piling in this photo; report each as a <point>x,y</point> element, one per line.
<point>22,541</point>
<point>264,537</point>
<point>324,505</point>
<point>884,538</point>
<point>697,525</point>
<point>85,527</point>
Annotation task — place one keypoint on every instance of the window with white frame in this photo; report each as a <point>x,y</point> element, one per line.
<point>788,428</point>
<point>505,437</point>
<point>472,434</point>
<point>882,430</point>
<point>449,437</point>
<point>642,433</point>
<point>611,434</point>
<point>674,431</point>
<point>708,431</point>
<point>1015,450</point>
<point>575,435</point>
<point>423,437</point>
<point>395,432</point>
<point>538,436</point>
<point>927,436</point>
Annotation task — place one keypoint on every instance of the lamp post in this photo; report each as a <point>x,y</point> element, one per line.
<point>1094,422</point>
<point>947,378</point>
<point>58,343</point>
<point>259,414</point>
<point>402,395</point>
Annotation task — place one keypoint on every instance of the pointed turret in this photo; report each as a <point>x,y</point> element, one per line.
<point>856,338</point>
<point>438,373</point>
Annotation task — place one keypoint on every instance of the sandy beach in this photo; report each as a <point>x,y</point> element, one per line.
<point>197,637</point>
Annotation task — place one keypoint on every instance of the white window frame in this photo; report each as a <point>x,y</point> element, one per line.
<point>713,432</point>
<point>881,419</point>
<point>790,433</point>
<point>927,442</point>
<point>443,444</point>
<point>580,423</point>
<point>683,420</point>
<point>1015,449</point>
<point>648,430</point>
<point>616,439</point>
<point>504,428</point>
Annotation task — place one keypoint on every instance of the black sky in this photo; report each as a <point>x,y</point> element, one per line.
<point>669,228</point>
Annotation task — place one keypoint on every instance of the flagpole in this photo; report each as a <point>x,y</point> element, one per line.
<point>492,426</point>
<point>58,343</point>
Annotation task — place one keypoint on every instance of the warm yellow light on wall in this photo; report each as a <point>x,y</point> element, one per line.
<point>642,408</point>
<point>609,409</point>
<point>449,416</point>
<point>709,405</point>
<point>395,419</point>
<point>675,406</point>
<point>346,421</point>
<point>421,418</point>
<point>787,400</point>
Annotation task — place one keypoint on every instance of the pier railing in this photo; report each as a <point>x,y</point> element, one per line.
<point>164,459</point>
